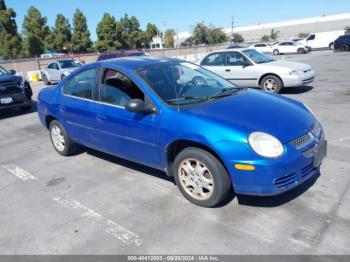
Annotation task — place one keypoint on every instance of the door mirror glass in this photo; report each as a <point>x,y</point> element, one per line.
<point>138,106</point>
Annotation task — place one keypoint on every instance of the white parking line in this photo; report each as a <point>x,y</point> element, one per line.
<point>19,172</point>
<point>109,226</point>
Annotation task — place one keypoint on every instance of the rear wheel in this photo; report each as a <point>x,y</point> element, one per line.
<point>201,177</point>
<point>301,51</point>
<point>276,52</point>
<point>344,48</point>
<point>60,140</point>
<point>271,84</point>
<point>45,79</point>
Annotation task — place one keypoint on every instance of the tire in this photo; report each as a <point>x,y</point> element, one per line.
<point>62,77</point>
<point>215,179</point>
<point>64,147</point>
<point>271,84</point>
<point>276,52</point>
<point>344,48</point>
<point>331,46</point>
<point>300,51</point>
<point>45,79</point>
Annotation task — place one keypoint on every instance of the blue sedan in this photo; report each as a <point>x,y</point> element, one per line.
<point>213,137</point>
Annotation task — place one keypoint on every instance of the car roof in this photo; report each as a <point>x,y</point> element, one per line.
<point>63,59</point>
<point>233,50</point>
<point>135,62</point>
<point>121,52</point>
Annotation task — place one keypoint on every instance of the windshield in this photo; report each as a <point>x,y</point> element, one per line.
<point>3,71</point>
<point>257,57</point>
<point>179,83</point>
<point>69,63</point>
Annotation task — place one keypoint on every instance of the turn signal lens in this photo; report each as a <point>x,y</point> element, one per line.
<point>244,167</point>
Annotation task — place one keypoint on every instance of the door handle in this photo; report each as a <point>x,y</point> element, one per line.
<point>101,117</point>
<point>228,70</point>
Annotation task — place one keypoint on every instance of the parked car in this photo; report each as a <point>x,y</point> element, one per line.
<point>262,47</point>
<point>322,40</point>
<point>185,44</point>
<point>235,45</point>
<point>250,68</point>
<point>289,47</point>
<point>207,133</point>
<point>14,91</point>
<point>342,43</point>
<point>57,70</point>
<point>118,54</point>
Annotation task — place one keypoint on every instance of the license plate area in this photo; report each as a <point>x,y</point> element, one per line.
<point>6,100</point>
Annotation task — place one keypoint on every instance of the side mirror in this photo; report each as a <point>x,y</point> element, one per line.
<point>138,106</point>
<point>12,72</point>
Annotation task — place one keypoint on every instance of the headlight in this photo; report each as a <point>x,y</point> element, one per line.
<point>265,145</point>
<point>23,84</point>
<point>296,72</point>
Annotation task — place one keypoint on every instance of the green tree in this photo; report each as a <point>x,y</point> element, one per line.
<point>169,38</point>
<point>10,41</point>
<point>303,35</point>
<point>81,41</point>
<point>131,36</point>
<point>237,38</point>
<point>200,34</point>
<point>151,31</point>
<point>35,30</point>
<point>62,33</point>
<point>274,34</point>
<point>216,36</point>
<point>107,34</point>
<point>265,38</point>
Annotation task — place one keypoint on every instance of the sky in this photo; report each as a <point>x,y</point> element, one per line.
<point>182,15</point>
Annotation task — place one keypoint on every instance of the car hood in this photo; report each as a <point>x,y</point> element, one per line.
<point>289,65</point>
<point>254,110</point>
<point>10,78</point>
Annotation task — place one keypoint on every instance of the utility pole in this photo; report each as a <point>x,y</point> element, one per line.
<point>232,26</point>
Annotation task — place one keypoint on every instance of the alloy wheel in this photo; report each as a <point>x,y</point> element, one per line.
<point>196,179</point>
<point>58,138</point>
<point>270,85</point>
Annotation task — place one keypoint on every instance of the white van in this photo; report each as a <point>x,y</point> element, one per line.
<point>322,40</point>
<point>157,43</point>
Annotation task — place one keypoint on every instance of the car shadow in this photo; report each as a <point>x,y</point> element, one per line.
<point>296,90</point>
<point>12,112</point>
<point>278,200</point>
<point>128,164</point>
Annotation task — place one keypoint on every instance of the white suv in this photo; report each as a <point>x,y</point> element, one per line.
<point>248,67</point>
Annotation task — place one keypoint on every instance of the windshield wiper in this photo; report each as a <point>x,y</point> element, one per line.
<point>226,92</point>
<point>172,101</point>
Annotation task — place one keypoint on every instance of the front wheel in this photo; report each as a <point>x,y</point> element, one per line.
<point>60,140</point>
<point>45,79</point>
<point>276,52</point>
<point>271,84</point>
<point>301,51</point>
<point>62,77</point>
<point>344,48</point>
<point>201,177</point>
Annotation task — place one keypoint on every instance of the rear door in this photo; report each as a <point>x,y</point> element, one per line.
<point>127,134</point>
<point>76,103</point>
<point>215,62</point>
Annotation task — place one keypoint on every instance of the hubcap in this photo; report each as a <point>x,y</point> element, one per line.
<point>196,179</point>
<point>270,85</point>
<point>57,138</point>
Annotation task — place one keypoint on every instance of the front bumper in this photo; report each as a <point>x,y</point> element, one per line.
<point>298,80</point>
<point>275,176</point>
<point>18,100</point>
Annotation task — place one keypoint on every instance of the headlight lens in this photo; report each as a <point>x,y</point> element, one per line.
<point>23,84</point>
<point>296,72</point>
<point>265,145</point>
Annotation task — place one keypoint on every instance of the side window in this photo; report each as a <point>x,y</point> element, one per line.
<point>82,84</point>
<point>216,59</point>
<point>118,89</point>
<point>311,37</point>
<point>50,66</point>
<point>55,66</point>
<point>234,59</point>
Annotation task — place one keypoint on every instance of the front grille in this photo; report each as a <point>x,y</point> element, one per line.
<point>9,90</point>
<point>285,181</point>
<point>302,141</point>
